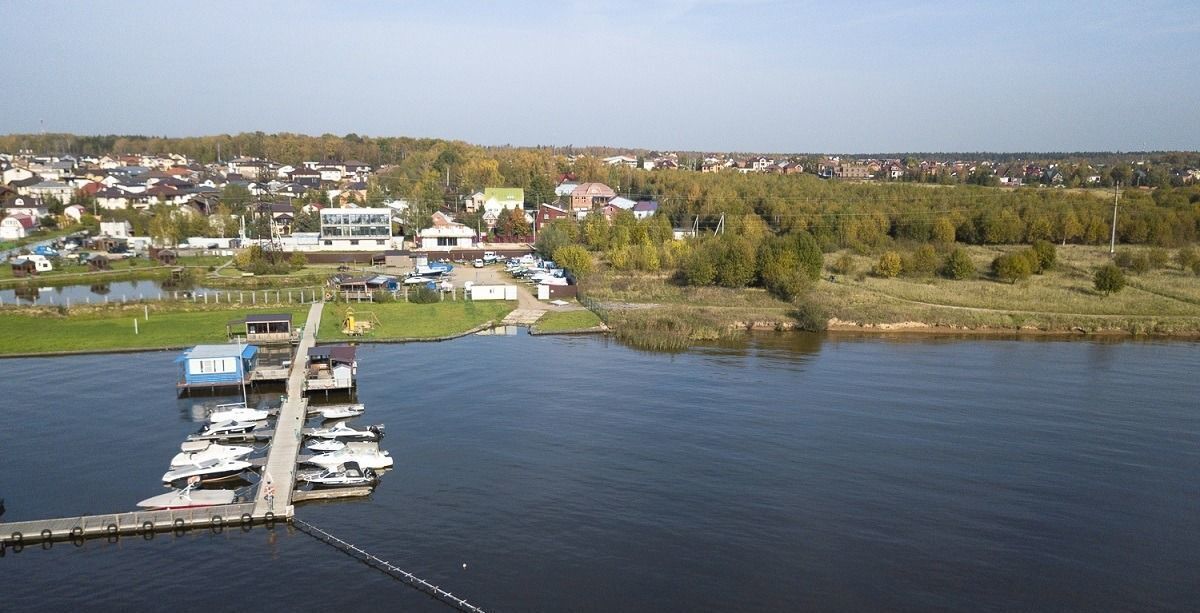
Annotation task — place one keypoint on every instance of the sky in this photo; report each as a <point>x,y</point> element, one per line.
<point>711,75</point>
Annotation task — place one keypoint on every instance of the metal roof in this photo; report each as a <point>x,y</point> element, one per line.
<point>339,353</point>
<point>271,317</point>
<point>219,351</point>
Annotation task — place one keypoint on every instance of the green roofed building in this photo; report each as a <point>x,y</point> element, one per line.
<point>496,198</point>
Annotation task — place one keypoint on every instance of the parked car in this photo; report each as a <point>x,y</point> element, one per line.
<point>489,256</point>
<point>478,263</point>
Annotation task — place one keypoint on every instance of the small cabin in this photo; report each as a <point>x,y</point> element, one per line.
<point>22,267</point>
<point>270,328</point>
<point>166,257</point>
<point>331,367</point>
<point>98,262</point>
<point>213,366</point>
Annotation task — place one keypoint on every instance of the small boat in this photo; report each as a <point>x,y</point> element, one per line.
<point>347,475</point>
<point>236,412</point>
<point>371,458</point>
<point>208,470</point>
<point>323,445</point>
<point>188,498</point>
<point>340,411</point>
<point>341,431</point>
<point>194,452</point>
<point>228,427</point>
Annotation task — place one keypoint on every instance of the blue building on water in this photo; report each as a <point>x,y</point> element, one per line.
<point>214,366</point>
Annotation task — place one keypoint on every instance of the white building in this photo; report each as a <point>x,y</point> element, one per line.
<point>116,229</point>
<point>446,234</point>
<point>17,226</point>
<point>358,229</point>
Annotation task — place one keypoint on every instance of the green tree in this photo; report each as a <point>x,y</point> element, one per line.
<point>889,265</point>
<point>958,265</point>
<point>780,270</point>
<point>555,235</point>
<point>1109,279</point>
<point>1012,267</point>
<point>1046,255</point>
<point>575,259</point>
<point>700,268</point>
<point>922,262</point>
<point>943,231</point>
<point>1185,257</point>
<point>736,261</point>
<point>808,254</point>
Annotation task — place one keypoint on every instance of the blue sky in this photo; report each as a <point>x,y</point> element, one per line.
<point>749,75</point>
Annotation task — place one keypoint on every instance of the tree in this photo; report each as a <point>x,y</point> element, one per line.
<point>553,236</point>
<point>1185,257</point>
<point>780,269</point>
<point>700,267</point>
<point>844,265</point>
<point>736,261</point>
<point>922,262</point>
<point>889,265</point>
<point>1012,267</point>
<point>575,259</point>
<point>1109,279</point>
<point>1046,255</point>
<point>512,222</point>
<point>306,222</point>
<point>943,231</point>
<point>958,265</point>
<point>809,255</point>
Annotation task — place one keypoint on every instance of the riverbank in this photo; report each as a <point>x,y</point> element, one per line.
<point>1161,303</point>
<point>407,321</point>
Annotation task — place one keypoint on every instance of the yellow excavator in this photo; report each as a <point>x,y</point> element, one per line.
<point>358,324</point>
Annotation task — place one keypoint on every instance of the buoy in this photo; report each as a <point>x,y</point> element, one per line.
<point>464,565</point>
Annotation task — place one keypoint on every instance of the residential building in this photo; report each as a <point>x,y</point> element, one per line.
<point>116,229</point>
<point>356,229</point>
<point>547,213</point>
<point>446,233</point>
<point>645,208</point>
<point>585,196</point>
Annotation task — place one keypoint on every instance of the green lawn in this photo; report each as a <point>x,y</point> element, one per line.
<point>560,321</point>
<point>404,320</point>
<point>97,329</point>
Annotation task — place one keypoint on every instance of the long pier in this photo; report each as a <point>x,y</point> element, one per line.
<point>272,500</point>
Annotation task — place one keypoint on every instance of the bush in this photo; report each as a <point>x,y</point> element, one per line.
<point>1046,254</point>
<point>1185,257</point>
<point>809,254</point>
<point>1196,267</point>
<point>889,265</point>
<point>921,263</point>
<point>1012,267</point>
<point>958,265</point>
<point>844,265</point>
<point>1109,279</point>
<point>424,295</point>
<point>1140,264</point>
<point>1124,259</point>
<point>575,259</point>
<point>700,269</point>
<point>736,262</point>
<point>810,316</point>
<point>780,270</point>
<point>298,260</point>
<point>1158,258</point>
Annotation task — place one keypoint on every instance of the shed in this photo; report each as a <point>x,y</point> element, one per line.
<point>216,365</point>
<point>166,257</point>
<point>23,267</point>
<point>331,367</point>
<point>269,328</point>
<point>98,262</point>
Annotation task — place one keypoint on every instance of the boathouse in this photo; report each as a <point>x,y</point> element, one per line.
<point>331,367</point>
<point>267,328</point>
<point>213,366</point>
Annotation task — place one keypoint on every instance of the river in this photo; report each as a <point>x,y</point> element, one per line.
<point>775,473</point>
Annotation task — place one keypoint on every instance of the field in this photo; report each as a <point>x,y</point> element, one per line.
<point>47,330</point>
<point>1164,301</point>
<point>404,320</point>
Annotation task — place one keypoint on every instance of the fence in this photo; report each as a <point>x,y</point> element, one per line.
<point>79,296</point>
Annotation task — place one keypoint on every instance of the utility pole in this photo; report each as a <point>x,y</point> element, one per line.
<point>1112,247</point>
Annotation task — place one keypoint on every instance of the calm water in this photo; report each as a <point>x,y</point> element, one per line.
<point>574,474</point>
<point>96,293</point>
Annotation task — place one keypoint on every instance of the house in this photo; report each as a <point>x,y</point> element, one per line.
<point>331,367</point>
<point>51,189</point>
<point>306,177</point>
<point>15,174</point>
<point>356,229</point>
<point>853,171</point>
<point>98,261</point>
<point>282,218</point>
<point>622,203</point>
<point>645,208</point>
<point>17,226</point>
<point>166,257</point>
<point>24,267</point>
<point>565,188</point>
<point>585,196</point>
<point>213,366</point>
<point>547,213</point>
<point>116,229</point>
<point>621,160</point>
<point>74,213</point>
<point>27,205</point>
<point>499,198</point>
<point>446,234</point>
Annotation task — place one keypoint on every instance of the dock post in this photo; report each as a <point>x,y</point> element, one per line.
<point>135,328</point>
<point>146,310</point>
<point>205,297</point>
<point>253,297</point>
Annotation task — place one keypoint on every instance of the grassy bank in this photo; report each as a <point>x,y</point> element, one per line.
<point>563,321</point>
<point>1162,302</point>
<point>46,330</point>
<point>404,320</point>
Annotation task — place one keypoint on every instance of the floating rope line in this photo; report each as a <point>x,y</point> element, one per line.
<point>386,567</point>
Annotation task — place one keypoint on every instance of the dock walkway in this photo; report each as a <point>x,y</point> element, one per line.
<point>274,492</point>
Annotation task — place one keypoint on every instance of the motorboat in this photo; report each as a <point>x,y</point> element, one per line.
<point>227,427</point>
<point>193,452</point>
<point>347,475</point>
<point>188,498</point>
<point>236,412</point>
<point>340,430</point>
<point>366,455</point>
<point>340,411</point>
<point>208,470</point>
<point>323,445</point>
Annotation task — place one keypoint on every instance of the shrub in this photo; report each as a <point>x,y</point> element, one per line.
<point>958,265</point>
<point>1158,258</point>
<point>736,262</point>
<point>1046,254</point>
<point>809,254</point>
<point>424,295</point>
<point>1012,267</point>
<point>889,265</point>
<point>1140,264</point>
<point>922,263</point>
<point>298,260</point>
<point>1109,279</point>
<point>844,265</point>
<point>575,259</point>
<point>810,316</point>
<point>1185,257</point>
<point>1196,267</point>
<point>699,269</point>
<point>1124,259</point>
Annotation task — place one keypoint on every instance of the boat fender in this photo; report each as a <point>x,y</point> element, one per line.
<point>47,534</point>
<point>179,524</point>
<point>247,518</point>
<point>148,527</point>
<point>218,523</point>
<point>112,529</point>
<point>17,537</point>
<point>77,532</point>
<point>269,518</point>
